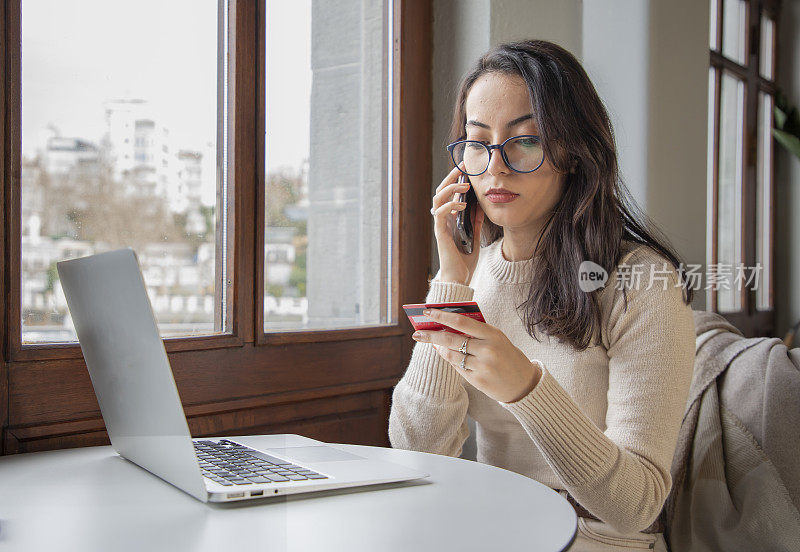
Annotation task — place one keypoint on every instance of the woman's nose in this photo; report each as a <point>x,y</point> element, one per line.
<point>496,164</point>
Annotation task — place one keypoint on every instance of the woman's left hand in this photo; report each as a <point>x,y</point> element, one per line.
<point>492,364</point>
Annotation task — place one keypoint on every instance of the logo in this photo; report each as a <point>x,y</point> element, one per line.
<point>591,276</point>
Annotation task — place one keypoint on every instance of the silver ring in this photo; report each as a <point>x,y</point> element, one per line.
<point>463,348</point>
<point>463,362</point>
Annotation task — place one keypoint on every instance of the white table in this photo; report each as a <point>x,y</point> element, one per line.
<point>91,499</point>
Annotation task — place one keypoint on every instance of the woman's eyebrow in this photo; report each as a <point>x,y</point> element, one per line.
<point>518,120</point>
<point>513,123</point>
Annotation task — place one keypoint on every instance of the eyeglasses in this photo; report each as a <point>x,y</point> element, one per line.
<point>522,154</point>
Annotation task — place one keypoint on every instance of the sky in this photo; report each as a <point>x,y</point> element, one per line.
<point>76,55</point>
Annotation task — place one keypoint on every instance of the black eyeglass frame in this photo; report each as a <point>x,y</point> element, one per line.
<point>489,148</point>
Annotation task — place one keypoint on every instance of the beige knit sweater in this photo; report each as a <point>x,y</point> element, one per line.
<point>601,423</point>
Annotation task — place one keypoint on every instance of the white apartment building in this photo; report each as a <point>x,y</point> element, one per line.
<point>138,147</point>
<point>62,155</point>
<point>279,254</point>
<point>187,190</point>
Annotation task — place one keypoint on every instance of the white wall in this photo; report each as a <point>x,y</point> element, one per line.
<point>558,21</point>
<point>678,125</point>
<point>615,55</point>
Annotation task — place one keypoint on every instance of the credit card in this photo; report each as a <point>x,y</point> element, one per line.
<point>422,322</point>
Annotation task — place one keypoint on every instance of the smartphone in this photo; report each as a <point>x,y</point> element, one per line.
<point>463,231</point>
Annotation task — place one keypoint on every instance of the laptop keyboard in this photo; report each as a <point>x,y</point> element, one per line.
<point>229,463</point>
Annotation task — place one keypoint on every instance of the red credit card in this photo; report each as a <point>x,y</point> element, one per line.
<point>422,322</point>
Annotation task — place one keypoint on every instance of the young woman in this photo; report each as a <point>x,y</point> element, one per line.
<point>581,389</point>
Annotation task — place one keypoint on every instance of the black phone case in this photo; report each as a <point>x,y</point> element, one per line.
<point>463,232</point>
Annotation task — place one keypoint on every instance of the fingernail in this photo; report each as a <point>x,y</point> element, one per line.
<point>416,335</point>
<point>426,312</point>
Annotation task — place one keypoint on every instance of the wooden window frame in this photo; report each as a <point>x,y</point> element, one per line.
<point>750,320</point>
<point>333,385</point>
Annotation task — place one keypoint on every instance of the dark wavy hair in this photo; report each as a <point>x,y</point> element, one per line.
<point>596,211</point>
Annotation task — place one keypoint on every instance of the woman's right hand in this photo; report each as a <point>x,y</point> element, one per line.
<point>454,265</point>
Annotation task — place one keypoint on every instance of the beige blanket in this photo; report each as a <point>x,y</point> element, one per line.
<point>736,470</point>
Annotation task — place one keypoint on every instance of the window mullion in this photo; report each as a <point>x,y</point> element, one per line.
<point>4,143</point>
<point>243,93</point>
<point>749,181</point>
<point>12,179</point>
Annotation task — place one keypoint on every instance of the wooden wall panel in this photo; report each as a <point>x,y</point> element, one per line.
<point>61,391</point>
<point>355,418</point>
<point>3,404</point>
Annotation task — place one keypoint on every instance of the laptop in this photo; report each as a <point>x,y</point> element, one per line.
<point>144,417</point>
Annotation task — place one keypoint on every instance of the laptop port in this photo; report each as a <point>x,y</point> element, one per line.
<point>256,493</point>
<point>235,495</point>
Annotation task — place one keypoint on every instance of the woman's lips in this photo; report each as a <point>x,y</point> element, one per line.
<point>501,197</point>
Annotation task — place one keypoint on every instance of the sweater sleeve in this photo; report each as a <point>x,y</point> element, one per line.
<point>429,404</point>
<point>621,475</point>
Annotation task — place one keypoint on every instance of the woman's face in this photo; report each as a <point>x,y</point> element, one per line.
<point>497,108</point>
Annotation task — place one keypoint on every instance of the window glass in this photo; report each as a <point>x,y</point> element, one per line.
<point>767,49</point>
<point>121,147</point>
<point>764,201</point>
<point>734,30</point>
<point>712,25</point>
<point>711,152</point>
<point>327,237</point>
<point>729,199</point>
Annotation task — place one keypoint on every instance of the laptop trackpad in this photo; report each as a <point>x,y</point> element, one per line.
<point>314,454</point>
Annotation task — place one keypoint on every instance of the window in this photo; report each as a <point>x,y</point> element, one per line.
<point>183,173</point>
<point>81,193</point>
<point>741,99</point>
